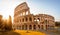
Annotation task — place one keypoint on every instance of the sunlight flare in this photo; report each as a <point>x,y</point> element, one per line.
<point>5,16</point>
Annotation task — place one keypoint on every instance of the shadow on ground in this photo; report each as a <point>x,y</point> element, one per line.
<point>9,33</point>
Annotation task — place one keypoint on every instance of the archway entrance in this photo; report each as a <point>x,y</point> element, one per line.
<point>25,27</point>
<point>34,27</point>
<point>38,27</point>
<point>22,27</point>
<point>42,27</point>
<point>30,27</point>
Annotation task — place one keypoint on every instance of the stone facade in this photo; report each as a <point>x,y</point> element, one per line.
<point>23,20</point>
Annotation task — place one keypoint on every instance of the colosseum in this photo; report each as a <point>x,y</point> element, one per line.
<point>24,20</point>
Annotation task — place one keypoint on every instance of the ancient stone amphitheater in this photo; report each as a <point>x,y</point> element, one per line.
<point>24,20</point>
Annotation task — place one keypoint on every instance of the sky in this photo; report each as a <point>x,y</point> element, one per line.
<point>50,7</point>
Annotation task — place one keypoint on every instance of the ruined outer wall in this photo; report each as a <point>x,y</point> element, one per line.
<point>23,17</point>
<point>21,8</point>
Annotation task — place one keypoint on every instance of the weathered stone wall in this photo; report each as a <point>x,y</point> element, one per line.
<point>27,21</point>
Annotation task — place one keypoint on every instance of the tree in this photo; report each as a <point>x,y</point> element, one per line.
<point>57,23</point>
<point>1,23</point>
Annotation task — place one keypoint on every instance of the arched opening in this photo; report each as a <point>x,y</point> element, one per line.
<point>26,19</point>
<point>46,21</point>
<point>39,26</point>
<point>38,19</point>
<point>23,20</point>
<point>27,13</point>
<point>23,13</point>
<point>46,26</point>
<point>22,27</point>
<point>34,27</point>
<point>20,20</point>
<point>34,19</point>
<point>25,27</point>
<point>30,19</point>
<point>30,27</point>
<point>42,27</point>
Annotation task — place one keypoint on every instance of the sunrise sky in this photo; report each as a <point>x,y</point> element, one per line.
<point>51,7</point>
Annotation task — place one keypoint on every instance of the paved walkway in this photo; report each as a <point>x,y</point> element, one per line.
<point>49,32</point>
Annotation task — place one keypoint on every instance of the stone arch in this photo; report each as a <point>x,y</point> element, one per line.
<point>19,27</point>
<point>22,27</point>
<point>47,26</point>
<point>34,19</point>
<point>30,27</point>
<point>39,26</point>
<point>46,21</point>
<point>34,27</point>
<point>25,27</point>
<point>30,18</point>
<point>42,27</point>
<point>23,13</point>
<point>22,19</point>
<point>26,19</point>
<point>27,13</point>
<point>38,19</point>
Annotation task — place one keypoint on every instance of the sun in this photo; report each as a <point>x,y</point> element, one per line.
<point>5,16</point>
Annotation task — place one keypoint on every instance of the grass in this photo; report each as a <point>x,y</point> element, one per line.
<point>22,32</point>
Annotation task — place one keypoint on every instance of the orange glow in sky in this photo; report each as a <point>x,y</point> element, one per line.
<point>36,7</point>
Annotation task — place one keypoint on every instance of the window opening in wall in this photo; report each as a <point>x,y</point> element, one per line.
<point>26,19</point>
<point>46,21</point>
<point>23,19</point>
<point>34,27</point>
<point>23,13</point>
<point>27,13</point>
<point>20,20</point>
<point>42,27</point>
<point>22,27</point>
<point>25,27</point>
<point>30,19</point>
<point>38,19</point>
<point>30,27</point>
<point>34,19</point>
<point>39,26</point>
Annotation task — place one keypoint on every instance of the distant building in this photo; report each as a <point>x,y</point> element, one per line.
<point>23,20</point>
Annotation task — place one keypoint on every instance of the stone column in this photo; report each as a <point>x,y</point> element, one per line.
<point>28,11</point>
<point>21,20</point>
<point>32,19</point>
<point>28,19</point>
<point>32,27</point>
<point>40,26</point>
<point>37,27</point>
<point>21,27</point>
<point>44,27</point>
<point>25,13</point>
<point>27,27</point>
<point>24,19</point>
<point>22,14</point>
